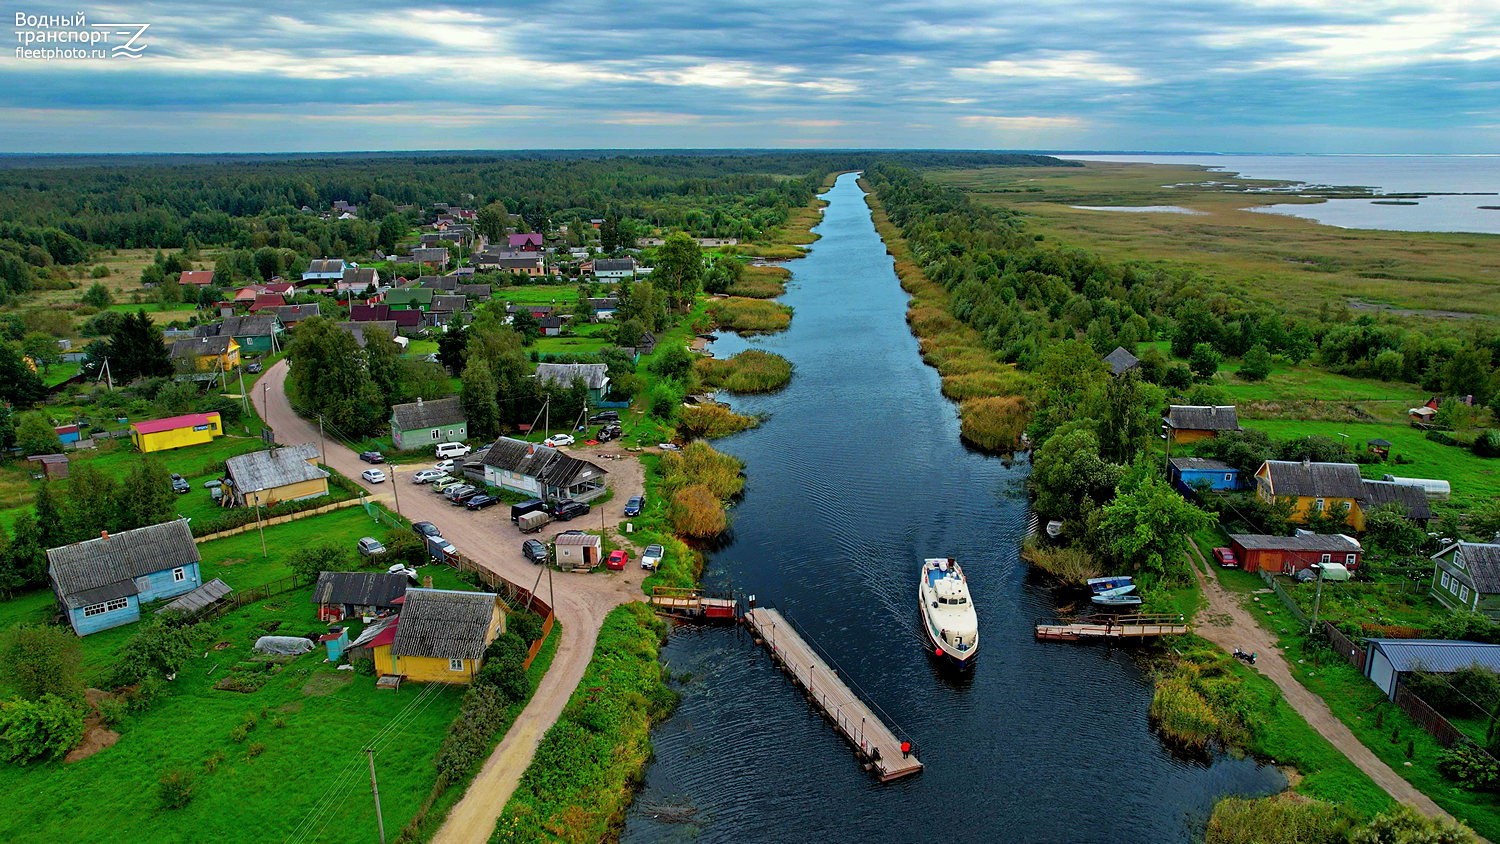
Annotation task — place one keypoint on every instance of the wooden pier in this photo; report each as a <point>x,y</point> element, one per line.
<point>691,604</point>
<point>1112,627</point>
<point>875,744</point>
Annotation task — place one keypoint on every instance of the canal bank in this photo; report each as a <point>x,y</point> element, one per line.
<point>856,476</point>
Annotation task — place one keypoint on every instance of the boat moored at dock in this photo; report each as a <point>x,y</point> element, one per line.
<point>948,619</point>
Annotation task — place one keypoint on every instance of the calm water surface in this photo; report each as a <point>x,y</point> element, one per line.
<point>1452,174</point>
<point>857,475</point>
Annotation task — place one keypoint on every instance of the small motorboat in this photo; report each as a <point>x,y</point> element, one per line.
<point>1118,585</point>
<point>948,617</point>
<point>1117,600</point>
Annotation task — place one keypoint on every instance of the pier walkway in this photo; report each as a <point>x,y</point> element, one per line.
<point>1112,627</point>
<point>874,742</point>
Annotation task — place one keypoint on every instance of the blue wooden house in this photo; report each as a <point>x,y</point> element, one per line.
<point>102,583</point>
<point>1190,473</point>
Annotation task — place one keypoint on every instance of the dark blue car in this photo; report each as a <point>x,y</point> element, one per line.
<point>634,505</point>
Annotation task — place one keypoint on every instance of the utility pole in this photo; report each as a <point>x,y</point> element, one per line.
<point>1317,601</point>
<point>260,526</point>
<point>375,790</point>
<point>244,398</point>
<point>396,490</point>
<point>322,446</point>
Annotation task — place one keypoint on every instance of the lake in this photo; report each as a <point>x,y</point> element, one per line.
<point>1477,175</point>
<point>856,475</point>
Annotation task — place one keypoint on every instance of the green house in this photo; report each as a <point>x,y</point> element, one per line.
<point>256,333</point>
<point>1466,576</point>
<point>424,424</point>
<point>410,299</point>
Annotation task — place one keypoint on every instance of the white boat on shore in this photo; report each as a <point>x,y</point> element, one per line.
<point>948,618</point>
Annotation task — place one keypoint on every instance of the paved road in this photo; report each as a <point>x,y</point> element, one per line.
<point>1227,623</point>
<point>581,601</point>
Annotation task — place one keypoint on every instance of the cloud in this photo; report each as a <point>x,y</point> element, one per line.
<point>1081,66</point>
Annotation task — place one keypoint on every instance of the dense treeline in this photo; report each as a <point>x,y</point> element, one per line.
<point>1023,294</point>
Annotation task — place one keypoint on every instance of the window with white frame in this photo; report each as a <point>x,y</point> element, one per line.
<point>436,434</point>
<point>1318,505</point>
<point>1463,594</point>
<point>1228,476</point>
<point>114,605</point>
<point>455,665</point>
<point>1446,580</point>
<point>1349,559</point>
<point>179,575</point>
<point>1326,558</point>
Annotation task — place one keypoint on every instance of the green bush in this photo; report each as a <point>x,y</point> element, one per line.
<point>156,648</point>
<point>505,666</point>
<point>46,728</point>
<point>364,667</point>
<point>1469,768</point>
<point>471,734</point>
<point>112,711</point>
<point>526,624</point>
<point>1487,444</point>
<point>403,546</point>
<point>41,660</point>
<point>1282,819</point>
<point>175,789</point>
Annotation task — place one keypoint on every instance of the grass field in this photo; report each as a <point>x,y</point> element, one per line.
<point>1474,479</point>
<point>1305,384</point>
<point>561,295</point>
<point>1263,256</point>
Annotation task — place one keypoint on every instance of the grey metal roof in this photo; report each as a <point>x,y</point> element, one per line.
<point>324,266</point>
<point>438,282</point>
<point>428,414</point>
<point>594,375</point>
<point>544,463</point>
<point>95,570</point>
<point>297,313</point>
<point>199,599</point>
<point>192,347</point>
<point>612,264</point>
<point>576,539</point>
<point>361,329</point>
<point>1187,417</point>
<point>1200,464</point>
<point>360,588</point>
<point>449,303</point>
<point>1437,655</point>
<point>1412,498</point>
<point>1318,480</point>
<point>360,275</point>
<point>444,624</point>
<point>1120,360</point>
<point>475,291</point>
<point>430,253</point>
<point>1481,560</point>
<point>249,325</point>
<point>504,262</point>
<point>1331,542</point>
<point>273,468</point>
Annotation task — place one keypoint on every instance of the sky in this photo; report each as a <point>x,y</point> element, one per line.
<point>1314,76</point>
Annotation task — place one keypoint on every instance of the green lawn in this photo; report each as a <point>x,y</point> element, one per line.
<point>326,716</point>
<point>60,372</point>
<point>1473,478</point>
<point>564,296</point>
<point>583,345</point>
<point>1306,383</point>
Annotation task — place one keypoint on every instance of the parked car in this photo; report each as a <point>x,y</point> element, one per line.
<point>634,505</point>
<point>651,557</point>
<point>446,483</point>
<point>438,547</point>
<point>447,465</point>
<point>401,568</point>
<point>569,509</point>
<point>617,560</point>
<point>452,450</point>
<point>180,484</point>
<point>372,457</point>
<point>522,508</point>
<point>605,416</point>
<point>427,476</point>
<point>369,546</point>
<point>212,483</point>
<point>608,432</point>
<point>1225,557</point>
<point>534,550</point>
<point>481,501</point>
<point>254,367</point>
<point>425,529</point>
<point>374,476</point>
<point>559,440</point>
<point>461,493</point>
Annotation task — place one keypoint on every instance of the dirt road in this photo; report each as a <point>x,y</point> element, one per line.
<point>1227,623</point>
<point>581,601</point>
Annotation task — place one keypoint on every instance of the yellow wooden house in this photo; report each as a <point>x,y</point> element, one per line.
<point>1313,488</point>
<point>206,354</point>
<point>176,431</point>
<point>263,478</point>
<point>440,636</point>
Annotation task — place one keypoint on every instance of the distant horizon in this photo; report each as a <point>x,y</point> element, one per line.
<point>727,150</point>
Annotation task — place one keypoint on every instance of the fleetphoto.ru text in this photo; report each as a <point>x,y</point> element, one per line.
<point>50,37</point>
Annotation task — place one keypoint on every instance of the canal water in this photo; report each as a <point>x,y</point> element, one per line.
<point>856,475</point>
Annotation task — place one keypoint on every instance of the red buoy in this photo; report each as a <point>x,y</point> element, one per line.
<point>939,651</point>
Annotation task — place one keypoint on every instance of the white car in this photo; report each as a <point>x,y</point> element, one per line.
<point>446,465</point>
<point>651,557</point>
<point>443,450</point>
<point>400,568</point>
<point>374,476</point>
<point>560,440</point>
<point>427,476</point>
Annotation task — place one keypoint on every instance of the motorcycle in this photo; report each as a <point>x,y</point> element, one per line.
<point>1247,658</point>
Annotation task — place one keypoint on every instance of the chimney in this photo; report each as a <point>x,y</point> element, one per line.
<point>419,401</point>
<point>1307,461</point>
<point>104,534</point>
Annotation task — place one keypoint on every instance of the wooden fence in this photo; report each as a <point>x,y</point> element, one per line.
<point>1428,719</point>
<point>1344,647</point>
<point>1285,597</point>
<point>235,600</point>
<point>280,520</point>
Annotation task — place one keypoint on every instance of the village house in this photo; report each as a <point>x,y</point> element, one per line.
<point>525,242</point>
<point>474,292</point>
<point>1191,423</point>
<point>358,280</point>
<point>604,307</point>
<point>578,552</point>
<point>409,299</point>
<point>443,283</point>
<point>346,594</point>
<point>49,466</point>
<point>330,270</point>
<point>1387,661</point>
<point>1466,575</point>
<point>615,269</point>
<point>422,424</point>
<point>290,315</point>
<point>550,326</point>
<point>440,636</point>
<point>362,331</point>
<point>1193,473</point>
<point>1121,361</point>
<point>102,583</point>
<point>197,278</point>
<point>175,431</point>
<point>530,264</point>
<point>267,302</point>
<point>595,376</point>
<point>1320,487</point>
<point>205,354</point>
<point>264,478</point>
<point>1291,554</point>
<point>255,333</point>
<point>430,256</point>
<point>541,471</point>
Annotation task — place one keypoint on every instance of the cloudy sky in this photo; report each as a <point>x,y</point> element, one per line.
<point>1199,75</point>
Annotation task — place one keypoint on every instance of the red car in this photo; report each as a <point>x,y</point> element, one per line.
<point>617,560</point>
<point>1225,557</point>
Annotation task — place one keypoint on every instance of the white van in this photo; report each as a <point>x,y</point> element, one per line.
<point>453,450</point>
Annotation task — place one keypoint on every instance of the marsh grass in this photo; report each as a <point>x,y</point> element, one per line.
<point>761,282</point>
<point>750,371</point>
<point>749,316</point>
<point>1286,818</point>
<point>710,421</point>
<point>1069,563</point>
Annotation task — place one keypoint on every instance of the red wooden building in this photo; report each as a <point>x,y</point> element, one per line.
<point>1291,554</point>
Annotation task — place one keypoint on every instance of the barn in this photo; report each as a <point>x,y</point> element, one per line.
<point>1291,554</point>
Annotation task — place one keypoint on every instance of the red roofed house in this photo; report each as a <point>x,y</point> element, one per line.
<point>176,431</point>
<point>201,278</point>
<point>527,242</point>
<point>282,287</point>
<point>267,301</point>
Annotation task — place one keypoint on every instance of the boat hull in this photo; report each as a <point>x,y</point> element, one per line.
<point>942,655</point>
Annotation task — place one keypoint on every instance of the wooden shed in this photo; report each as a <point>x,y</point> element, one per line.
<point>1291,554</point>
<point>578,551</point>
<point>49,466</point>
